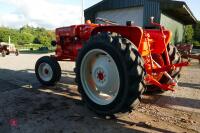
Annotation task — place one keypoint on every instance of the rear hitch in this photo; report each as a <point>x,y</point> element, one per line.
<point>166,87</point>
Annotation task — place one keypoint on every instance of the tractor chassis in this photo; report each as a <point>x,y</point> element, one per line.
<point>107,58</point>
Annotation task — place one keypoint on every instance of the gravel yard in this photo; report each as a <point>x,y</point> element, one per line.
<point>28,107</point>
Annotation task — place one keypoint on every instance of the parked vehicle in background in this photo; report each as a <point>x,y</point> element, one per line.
<point>7,49</point>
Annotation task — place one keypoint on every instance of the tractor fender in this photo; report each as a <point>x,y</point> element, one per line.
<point>134,34</point>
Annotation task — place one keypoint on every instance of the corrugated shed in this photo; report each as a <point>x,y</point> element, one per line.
<point>172,14</point>
<point>121,16</point>
<point>115,4</point>
<point>151,8</point>
<point>109,5</point>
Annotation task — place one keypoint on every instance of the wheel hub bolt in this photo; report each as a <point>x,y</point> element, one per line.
<point>100,76</point>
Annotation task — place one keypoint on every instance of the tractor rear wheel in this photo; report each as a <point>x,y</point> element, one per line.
<point>109,74</point>
<point>175,58</point>
<point>48,71</point>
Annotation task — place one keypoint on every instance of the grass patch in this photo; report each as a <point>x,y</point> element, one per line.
<point>36,52</point>
<point>35,48</point>
<point>196,43</point>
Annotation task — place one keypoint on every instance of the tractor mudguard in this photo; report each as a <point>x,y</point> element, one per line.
<point>134,34</point>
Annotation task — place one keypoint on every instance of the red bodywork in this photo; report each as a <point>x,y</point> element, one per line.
<point>151,44</point>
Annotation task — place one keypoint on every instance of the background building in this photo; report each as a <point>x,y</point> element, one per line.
<point>174,15</point>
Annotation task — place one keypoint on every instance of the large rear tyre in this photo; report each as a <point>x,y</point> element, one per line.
<point>48,71</point>
<point>175,58</point>
<point>109,74</point>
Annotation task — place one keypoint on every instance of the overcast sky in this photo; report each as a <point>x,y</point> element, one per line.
<point>52,13</point>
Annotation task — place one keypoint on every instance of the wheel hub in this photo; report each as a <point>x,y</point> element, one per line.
<point>45,72</point>
<point>100,76</point>
<point>103,75</point>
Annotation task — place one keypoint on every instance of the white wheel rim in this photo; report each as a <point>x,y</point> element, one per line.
<point>45,72</point>
<point>100,77</point>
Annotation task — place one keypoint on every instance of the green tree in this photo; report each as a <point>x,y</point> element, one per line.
<point>26,35</point>
<point>26,29</point>
<point>25,38</point>
<point>189,33</point>
<point>6,32</point>
<point>44,37</point>
<point>45,40</point>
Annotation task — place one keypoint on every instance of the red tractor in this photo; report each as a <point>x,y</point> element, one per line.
<point>114,63</point>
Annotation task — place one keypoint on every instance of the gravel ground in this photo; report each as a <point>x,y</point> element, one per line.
<point>28,107</point>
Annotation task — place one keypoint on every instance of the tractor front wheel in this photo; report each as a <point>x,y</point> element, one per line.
<point>109,73</point>
<point>3,53</point>
<point>48,71</point>
<point>17,52</point>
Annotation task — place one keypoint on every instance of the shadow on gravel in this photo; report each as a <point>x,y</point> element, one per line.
<point>190,85</point>
<point>166,101</point>
<point>26,106</point>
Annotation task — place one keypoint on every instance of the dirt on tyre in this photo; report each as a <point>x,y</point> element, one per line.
<point>48,71</point>
<point>109,74</point>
